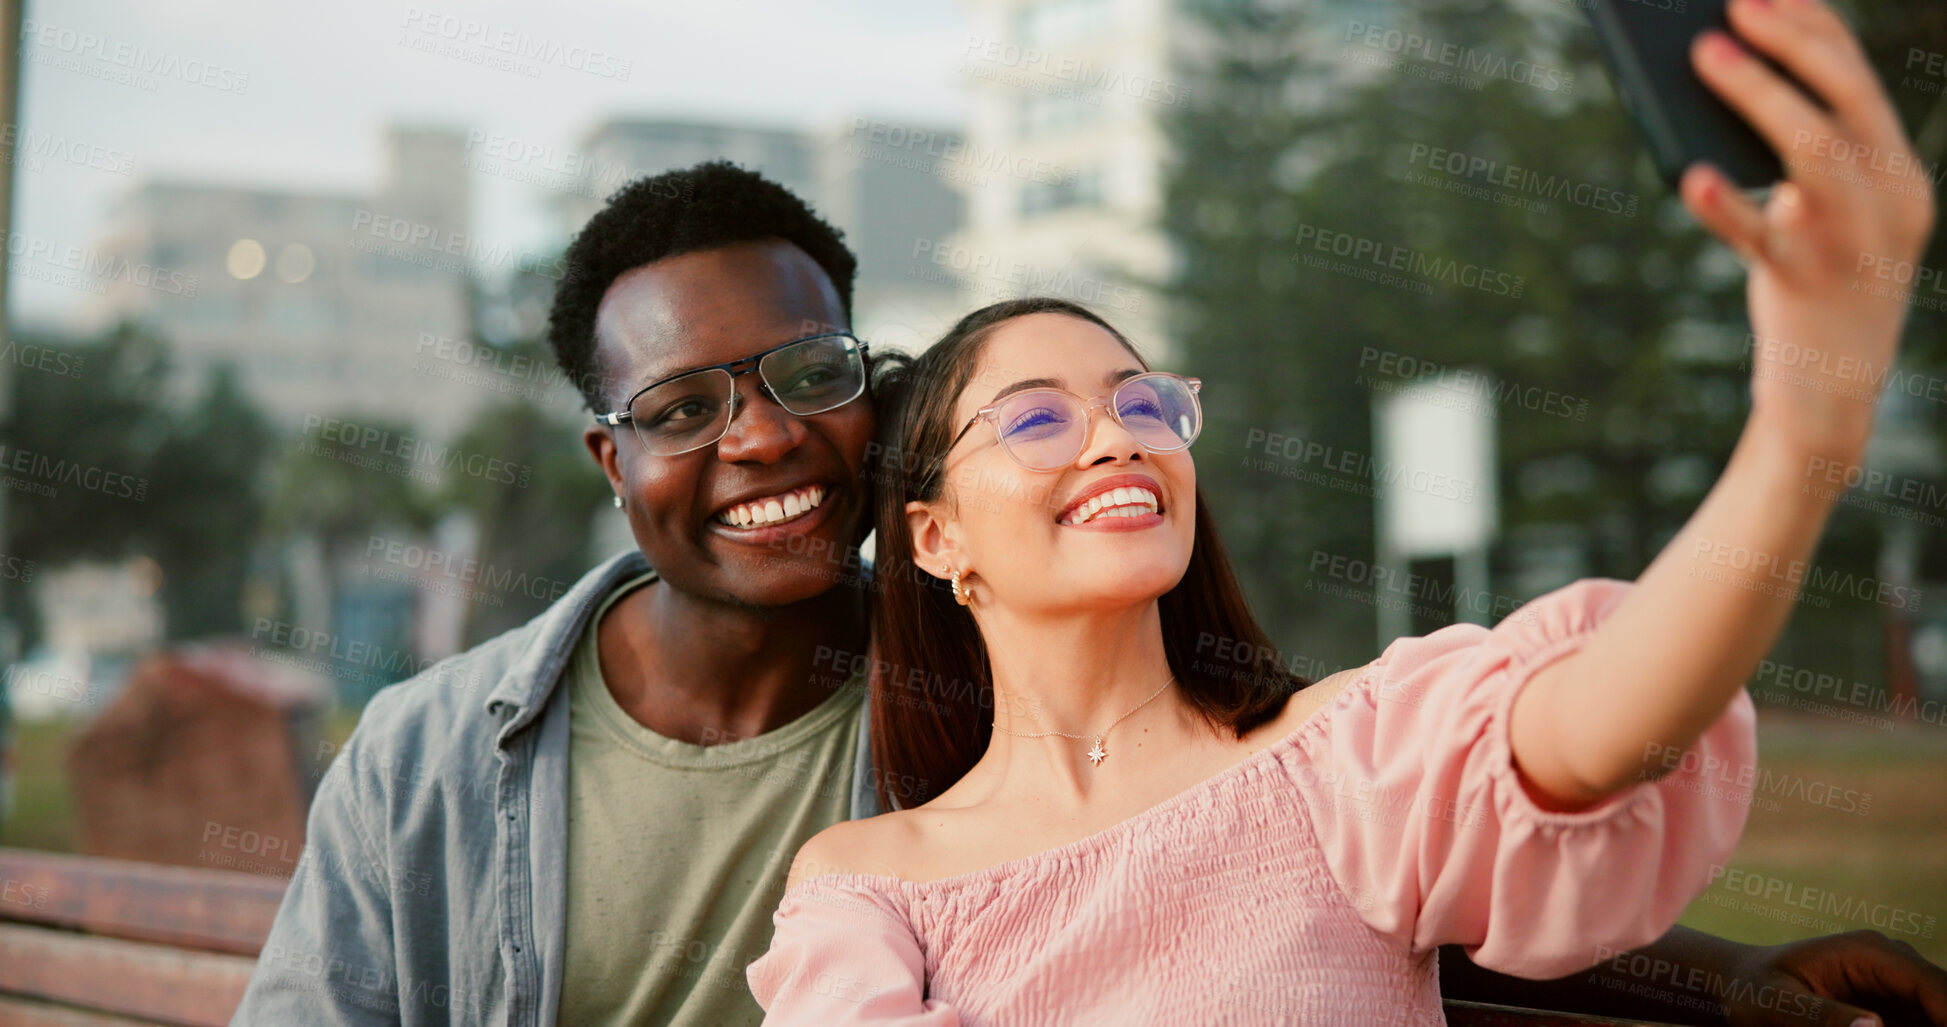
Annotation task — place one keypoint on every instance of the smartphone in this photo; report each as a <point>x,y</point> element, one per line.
<point>1646,44</point>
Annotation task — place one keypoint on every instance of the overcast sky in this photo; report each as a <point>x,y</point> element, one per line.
<point>324,79</point>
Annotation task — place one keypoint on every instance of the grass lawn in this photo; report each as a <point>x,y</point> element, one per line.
<point>1850,832</point>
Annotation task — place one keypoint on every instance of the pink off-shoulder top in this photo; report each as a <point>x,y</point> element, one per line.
<point>1309,883</point>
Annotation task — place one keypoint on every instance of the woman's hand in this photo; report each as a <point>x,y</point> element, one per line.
<point>1829,250</point>
<point>1847,978</point>
<point>1850,220</point>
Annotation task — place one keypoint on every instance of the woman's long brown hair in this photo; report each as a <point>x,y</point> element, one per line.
<point>932,686</point>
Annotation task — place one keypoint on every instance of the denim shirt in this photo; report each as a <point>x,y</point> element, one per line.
<point>432,887</point>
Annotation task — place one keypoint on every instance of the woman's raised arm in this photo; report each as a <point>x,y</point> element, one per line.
<point>1827,256</point>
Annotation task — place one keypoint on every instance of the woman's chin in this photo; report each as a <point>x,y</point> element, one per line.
<point>1125,584</point>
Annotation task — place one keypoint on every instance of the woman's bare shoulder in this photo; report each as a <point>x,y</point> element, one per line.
<point>865,846</point>
<point>1302,704</point>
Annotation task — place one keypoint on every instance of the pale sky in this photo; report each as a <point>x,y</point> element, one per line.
<point>323,80</point>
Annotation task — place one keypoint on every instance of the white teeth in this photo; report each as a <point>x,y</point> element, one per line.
<point>1130,501</point>
<point>774,509</point>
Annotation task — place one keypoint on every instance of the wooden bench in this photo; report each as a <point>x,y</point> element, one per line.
<point>87,942</point>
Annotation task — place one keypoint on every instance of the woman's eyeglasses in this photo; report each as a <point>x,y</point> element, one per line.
<point>1043,429</point>
<point>694,409</point>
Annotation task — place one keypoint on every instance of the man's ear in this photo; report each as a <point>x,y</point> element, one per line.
<point>933,548</point>
<point>601,445</point>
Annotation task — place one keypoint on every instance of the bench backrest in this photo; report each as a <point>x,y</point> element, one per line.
<point>167,944</point>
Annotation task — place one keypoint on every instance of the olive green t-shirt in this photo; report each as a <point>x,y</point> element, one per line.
<point>677,853</point>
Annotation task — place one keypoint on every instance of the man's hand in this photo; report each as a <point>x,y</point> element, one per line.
<point>1852,980</point>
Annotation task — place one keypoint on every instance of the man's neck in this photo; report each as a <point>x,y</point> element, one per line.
<point>708,672</point>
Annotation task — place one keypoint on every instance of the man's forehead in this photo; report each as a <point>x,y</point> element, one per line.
<point>712,306</point>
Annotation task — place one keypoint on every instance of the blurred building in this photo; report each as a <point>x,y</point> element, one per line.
<point>1065,163</point>
<point>891,203</point>
<point>1065,156</point>
<point>322,301</point>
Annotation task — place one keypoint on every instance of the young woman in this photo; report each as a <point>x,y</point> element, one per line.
<point>1145,826</point>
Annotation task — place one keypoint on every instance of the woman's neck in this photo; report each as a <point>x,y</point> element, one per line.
<point>1079,674</point>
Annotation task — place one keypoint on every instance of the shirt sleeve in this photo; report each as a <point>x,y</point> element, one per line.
<point>1433,837</point>
<point>843,954</point>
<point>329,959</point>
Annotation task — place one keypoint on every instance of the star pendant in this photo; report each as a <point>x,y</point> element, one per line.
<point>1098,754</point>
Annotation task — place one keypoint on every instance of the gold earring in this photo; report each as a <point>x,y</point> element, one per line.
<point>959,595</point>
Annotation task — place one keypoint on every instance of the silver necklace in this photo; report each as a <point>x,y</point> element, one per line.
<point>1096,754</point>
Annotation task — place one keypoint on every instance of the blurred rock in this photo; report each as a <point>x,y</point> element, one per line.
<point>202,761</point>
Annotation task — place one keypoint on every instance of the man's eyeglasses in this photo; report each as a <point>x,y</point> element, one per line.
<point>694,409</point>
<point>1043,429</point>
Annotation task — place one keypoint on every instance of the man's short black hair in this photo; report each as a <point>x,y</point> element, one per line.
<point>715,203</point>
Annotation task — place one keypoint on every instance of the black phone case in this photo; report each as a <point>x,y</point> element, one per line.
<point>1647,46</point>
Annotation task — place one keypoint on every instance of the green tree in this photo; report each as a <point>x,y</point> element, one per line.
<point>1629,313</point>
<point>535,528</point>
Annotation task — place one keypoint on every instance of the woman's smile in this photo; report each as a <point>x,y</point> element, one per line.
<point>1119,502</point>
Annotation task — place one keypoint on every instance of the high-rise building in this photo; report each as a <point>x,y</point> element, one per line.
<point>323,302</point>
<point>1066,150</point>
<point>1065,156</point>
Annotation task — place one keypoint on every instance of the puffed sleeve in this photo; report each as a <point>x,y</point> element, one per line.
<point>1428,828</point>
<point>843,954</point>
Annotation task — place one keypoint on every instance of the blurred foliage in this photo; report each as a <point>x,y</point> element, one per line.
<point>179,484</point>
<point>225,494</point>
<point>537,529</point>
<point>1629,311</point>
